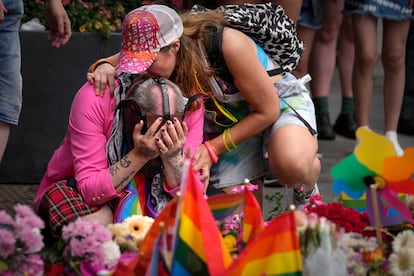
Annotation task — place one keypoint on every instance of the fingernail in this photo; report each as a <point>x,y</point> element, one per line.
<point>157,139</point>
<point>175,119</point>
<point>168,122</point>
<point>159,119</point>
<point>163,129</point>
<point>61,32</point>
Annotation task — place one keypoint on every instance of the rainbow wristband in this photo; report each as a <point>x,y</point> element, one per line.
<point>211,151</point>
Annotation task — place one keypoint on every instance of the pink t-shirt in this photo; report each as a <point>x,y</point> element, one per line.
<point>82,153</point>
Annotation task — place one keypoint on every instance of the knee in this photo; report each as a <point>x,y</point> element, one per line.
<point>297,172</point>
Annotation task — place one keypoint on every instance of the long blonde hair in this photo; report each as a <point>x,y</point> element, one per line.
<point>191,65</point>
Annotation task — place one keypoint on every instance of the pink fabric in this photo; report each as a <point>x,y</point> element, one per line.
<point>82,153</point>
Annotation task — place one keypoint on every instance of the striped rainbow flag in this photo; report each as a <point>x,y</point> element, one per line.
<point>253,223</point>
<point>225,205</point>
<point>276,251</point>
<point>199,248</point>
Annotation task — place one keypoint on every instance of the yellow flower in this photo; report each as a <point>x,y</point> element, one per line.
<point>231,243</point>
<point>82,29</point>
<point>98,25</point>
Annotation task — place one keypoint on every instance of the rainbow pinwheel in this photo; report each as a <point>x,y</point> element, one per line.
<point>374,161</point>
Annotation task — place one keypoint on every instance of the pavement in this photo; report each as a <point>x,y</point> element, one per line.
<point>331,152</point>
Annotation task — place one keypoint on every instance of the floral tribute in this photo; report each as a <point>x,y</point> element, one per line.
<point>21,242</point>
<point>131,233</point>
<point>85,245</point>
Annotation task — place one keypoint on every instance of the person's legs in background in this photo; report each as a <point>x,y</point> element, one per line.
<point>395,34</point>
<point>406,121</point>
<point>322,71</point>
<point>345,124</point>
<point>393,59</point>
<point>10,76</point>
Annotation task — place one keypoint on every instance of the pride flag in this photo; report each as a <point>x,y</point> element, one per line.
<point>275,251</point>
<point>146,250</point>
<point>199,248</point>
<point>253,223</point>
<point>225,205</point>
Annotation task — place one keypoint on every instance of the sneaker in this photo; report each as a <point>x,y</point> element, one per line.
<point>270,180</point>
<point>301,198</point>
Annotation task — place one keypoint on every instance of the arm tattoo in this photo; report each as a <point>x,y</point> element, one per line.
<point>124,180</point>
<point>178,166</point>
<point>113,170</point>
<point>124,162</point>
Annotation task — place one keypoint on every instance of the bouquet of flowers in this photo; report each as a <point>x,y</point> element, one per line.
<point>86,246</point>
<point>131,232</point>
<point>21,242</point>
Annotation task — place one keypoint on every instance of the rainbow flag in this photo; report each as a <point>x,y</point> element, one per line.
<point>276,251</point>
<point>199,248</point>
<point>253,223</point>
<point>224,205</point>
<point>158,265</point>
<point>146,250</point>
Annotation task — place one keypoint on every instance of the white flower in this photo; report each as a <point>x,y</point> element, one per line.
<point>402,262</point>
<point>112,253</point>
<point>404,239</point>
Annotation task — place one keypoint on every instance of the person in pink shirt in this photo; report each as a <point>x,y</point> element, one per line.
<point>104,153</point>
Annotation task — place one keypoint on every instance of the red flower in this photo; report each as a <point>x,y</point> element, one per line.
<point>348,219</point>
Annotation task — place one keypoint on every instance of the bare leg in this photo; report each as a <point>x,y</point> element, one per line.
<point>346,56</point>
<point>307,36</point>
<point>4,137</point>
<point>103,215</point>
<point>292,154</point>
<point>393,60</point>
<point>365,35</point>
<point>323,55</point>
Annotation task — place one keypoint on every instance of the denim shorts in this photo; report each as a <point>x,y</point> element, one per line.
<point>246,161</point>
<point>311,14</point>
<point>11,82</point>
<point>389,9</point>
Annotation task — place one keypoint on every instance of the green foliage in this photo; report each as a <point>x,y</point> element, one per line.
<point>103,16</point>
<point>275,199</point>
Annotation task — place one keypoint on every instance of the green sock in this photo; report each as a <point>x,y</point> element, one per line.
<point>347,105</point>
<point>321,105</point>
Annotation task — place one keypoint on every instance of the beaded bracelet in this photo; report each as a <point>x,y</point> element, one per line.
<point>211,151</point>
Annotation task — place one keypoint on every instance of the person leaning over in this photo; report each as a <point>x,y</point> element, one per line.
<point>91,167</point>
<point>238,122</point>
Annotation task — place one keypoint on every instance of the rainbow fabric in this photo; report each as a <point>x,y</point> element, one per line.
<point>276,251</point>
<point>224,205</point>
<point>199,248</point>
<point>130,202</point>
<point>253,223</point>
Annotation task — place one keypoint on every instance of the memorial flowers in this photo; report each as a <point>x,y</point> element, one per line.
<point>21,242</point>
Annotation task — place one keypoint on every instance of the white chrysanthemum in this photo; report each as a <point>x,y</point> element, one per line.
<point>112,253</point>
<point>402,262</point>
<point>404,239</point>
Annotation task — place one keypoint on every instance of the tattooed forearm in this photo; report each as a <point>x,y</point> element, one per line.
<point>124,180</point>
<point>177,164</point>
<point>113,170</point>
<point>124,162</point>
